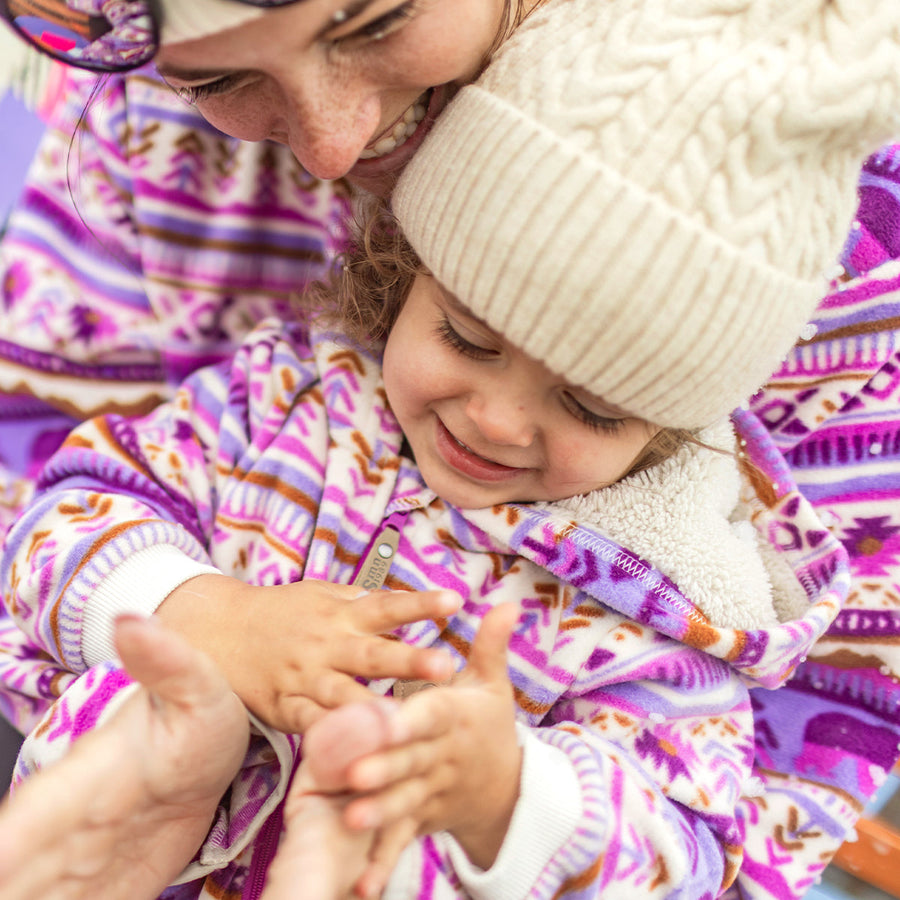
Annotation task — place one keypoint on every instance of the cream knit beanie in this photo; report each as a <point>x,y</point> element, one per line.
<point>644,194</point>
<point>188,20</point>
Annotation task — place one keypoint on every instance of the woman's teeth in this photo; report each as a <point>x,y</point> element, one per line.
<point>402,130</point>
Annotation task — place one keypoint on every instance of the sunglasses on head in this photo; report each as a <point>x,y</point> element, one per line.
<point>100,35</point>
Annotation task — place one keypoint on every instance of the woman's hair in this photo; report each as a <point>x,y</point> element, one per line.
<point>370,284</point>
<point>514,13</point>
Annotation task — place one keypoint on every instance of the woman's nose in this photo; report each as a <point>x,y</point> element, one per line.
<point>327,129</point>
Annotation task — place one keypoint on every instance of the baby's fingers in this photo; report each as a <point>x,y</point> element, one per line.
<point>487,658</point>
<point>379,612</point>
<point>404,799</point>
<point>419,733</point>
<point>378,771</point>
<point>294,713</point>
<point>370,657</point>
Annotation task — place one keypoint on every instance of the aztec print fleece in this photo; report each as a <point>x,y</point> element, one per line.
<point>144,247</point>
<point>285,464</point>
<point>825,740</point>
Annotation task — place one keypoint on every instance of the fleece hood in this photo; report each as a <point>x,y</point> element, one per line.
<point>736,565</point>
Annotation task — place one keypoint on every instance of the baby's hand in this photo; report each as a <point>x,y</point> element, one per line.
<point>291,652</point>
<point>446,759</point>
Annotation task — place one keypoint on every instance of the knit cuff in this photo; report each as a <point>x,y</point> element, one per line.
<point>548,811</point>
<point>526,240</point>
<point>188,21</point>
<point>139,585</point>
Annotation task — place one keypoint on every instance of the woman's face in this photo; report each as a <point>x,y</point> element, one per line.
<point>351,86</point>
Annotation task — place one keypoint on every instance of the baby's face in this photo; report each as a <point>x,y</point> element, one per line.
<point>489,424</point>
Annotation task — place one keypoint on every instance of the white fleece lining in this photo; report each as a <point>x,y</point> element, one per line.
<point>138,586</point>
<point>547,813</point>
<point>685,517</point>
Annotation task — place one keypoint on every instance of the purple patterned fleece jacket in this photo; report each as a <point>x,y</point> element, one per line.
<point>634,701</point>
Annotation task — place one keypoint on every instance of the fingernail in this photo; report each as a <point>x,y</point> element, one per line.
<point>451,601</point>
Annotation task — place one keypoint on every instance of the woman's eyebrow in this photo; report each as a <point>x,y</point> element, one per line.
<point>179,74</point>
<point>344,15</point>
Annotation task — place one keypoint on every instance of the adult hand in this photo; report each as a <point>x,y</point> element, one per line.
<point>291,652</point>
<point>122,814</point>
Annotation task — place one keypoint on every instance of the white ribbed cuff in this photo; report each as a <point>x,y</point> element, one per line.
<point>547,813</point>
<point>139,585</point>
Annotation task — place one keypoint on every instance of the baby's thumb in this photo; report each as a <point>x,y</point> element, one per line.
<point>487,658</point>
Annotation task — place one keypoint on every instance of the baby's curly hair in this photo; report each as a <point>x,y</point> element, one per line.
<point>371,280</point>
<point>370,283</point>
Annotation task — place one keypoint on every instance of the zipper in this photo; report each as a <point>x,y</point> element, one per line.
<point>370,574</point>
<point>265,845</point>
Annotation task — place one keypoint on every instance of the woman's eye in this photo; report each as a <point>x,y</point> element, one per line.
<point>196,93</point>
<point>383,25</point>
<point>452,338</point>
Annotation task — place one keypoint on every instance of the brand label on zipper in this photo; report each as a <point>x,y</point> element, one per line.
<point>375,567</point>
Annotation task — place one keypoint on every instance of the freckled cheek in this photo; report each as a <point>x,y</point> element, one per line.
<point>453,47</point>
<point>247,120</point>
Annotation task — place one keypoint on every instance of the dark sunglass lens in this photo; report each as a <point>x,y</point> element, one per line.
<point>111,35</point>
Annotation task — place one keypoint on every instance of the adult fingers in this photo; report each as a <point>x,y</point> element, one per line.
<point>389,844</point>
<point>165,663</point>
<point>345,735</point>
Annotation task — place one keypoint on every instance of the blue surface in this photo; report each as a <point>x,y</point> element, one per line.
<point>20,130</point>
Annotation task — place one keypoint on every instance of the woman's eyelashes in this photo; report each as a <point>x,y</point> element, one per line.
<point>453,339</point>
<point>196,93</point>
<point>381,26</point>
